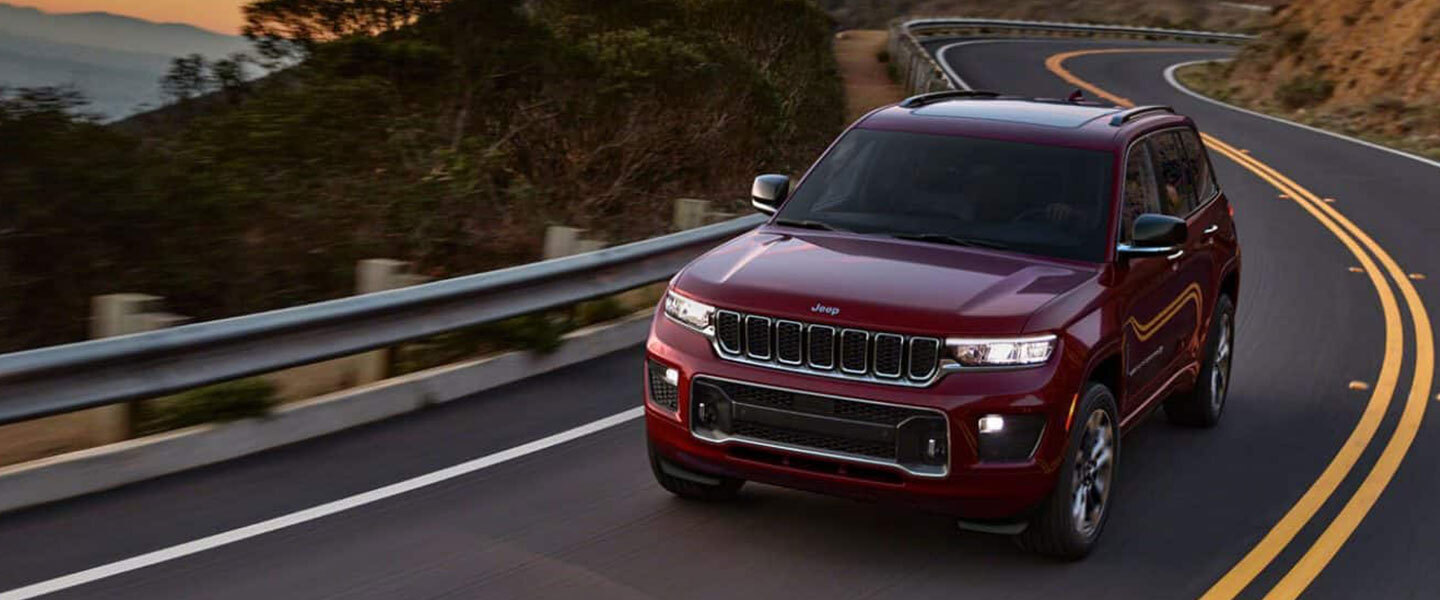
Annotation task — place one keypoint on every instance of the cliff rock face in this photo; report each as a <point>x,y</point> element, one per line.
<point>1335,53</point>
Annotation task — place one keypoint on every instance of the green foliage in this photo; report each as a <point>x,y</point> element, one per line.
<point>228,401</point>
<point>445,134</point>
<point>1304,90</point>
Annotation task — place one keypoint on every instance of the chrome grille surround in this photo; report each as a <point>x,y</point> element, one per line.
<point>826,359</point>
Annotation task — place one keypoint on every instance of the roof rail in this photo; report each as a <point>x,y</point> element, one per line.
<point>1123,116</point>
<point>923,99</point>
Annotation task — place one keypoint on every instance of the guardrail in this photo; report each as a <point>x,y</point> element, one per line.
<point>58,379</point>
<point>920,73</point>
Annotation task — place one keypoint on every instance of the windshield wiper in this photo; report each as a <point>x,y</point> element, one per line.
<point>940,238</point>
<point>808,224</point>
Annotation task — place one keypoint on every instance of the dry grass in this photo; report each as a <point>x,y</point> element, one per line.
<point>867,81</point>
<point>1386,120</point>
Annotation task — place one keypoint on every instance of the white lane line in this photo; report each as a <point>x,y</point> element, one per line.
<point>1175,83</point>
<point>315,512</point>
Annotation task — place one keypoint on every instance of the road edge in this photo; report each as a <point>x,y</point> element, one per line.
<point>106,467</point>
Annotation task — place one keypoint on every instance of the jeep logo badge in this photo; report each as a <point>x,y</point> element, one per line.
<point>821,308</point>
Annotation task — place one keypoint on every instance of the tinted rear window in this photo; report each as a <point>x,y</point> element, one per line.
<point>1036,199</point>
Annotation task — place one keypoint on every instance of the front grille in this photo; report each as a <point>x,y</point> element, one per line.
<point>662,393</point>
<point>824,350</point>
<point>911,438</point>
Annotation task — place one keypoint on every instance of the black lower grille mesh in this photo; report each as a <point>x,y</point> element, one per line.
<point>661,392</point>
<point>818,441</point>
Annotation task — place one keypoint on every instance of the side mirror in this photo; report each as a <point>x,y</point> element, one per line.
<point>1155,234</point>
<point>768,192</point>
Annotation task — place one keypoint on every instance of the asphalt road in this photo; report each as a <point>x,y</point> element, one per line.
<point>584,518</point>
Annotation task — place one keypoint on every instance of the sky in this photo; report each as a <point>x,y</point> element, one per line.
<point>216,15</point>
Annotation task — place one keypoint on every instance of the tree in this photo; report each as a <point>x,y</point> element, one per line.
<point>188,78</point>
<point>290,29</point>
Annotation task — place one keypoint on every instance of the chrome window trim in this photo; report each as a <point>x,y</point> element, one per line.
<point>810,359</point>
<point>863,370</point>
<point>842,456</point>
<point>769,331</point>
<point>776,350</point>
<point>875,357</point>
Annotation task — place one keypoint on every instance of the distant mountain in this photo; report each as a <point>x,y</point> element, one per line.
<point>116,61</point>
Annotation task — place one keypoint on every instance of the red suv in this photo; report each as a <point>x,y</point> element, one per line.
<point>959,308</point>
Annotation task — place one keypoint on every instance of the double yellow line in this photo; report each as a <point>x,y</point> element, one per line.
<point>1363,499</point>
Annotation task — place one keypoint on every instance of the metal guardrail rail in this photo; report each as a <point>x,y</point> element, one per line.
<point>920,72</point>
<point>57,379</point>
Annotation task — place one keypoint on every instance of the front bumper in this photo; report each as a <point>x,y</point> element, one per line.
<point>964,485</point>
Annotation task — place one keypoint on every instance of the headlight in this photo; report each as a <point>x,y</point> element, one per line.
<point>696,315</point>
<point>1002,352</point>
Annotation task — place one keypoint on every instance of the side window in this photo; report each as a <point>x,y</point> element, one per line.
<point>1141,195</point>
<point>1173,172</point>
<point>1204,179</point>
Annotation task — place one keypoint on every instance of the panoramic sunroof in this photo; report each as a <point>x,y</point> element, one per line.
<point>1018,111</point>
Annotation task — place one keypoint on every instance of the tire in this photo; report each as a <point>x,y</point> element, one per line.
<point>1068,523</point>
<point>693,486</point>
<point>1202,406</point>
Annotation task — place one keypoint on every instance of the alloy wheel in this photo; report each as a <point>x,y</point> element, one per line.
<point>1094,471</point>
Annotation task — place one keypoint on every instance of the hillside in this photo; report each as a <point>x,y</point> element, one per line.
<point>116,61</point>
<point>1362,67</point>
<point>1188,14</point>
<point>450,138</point>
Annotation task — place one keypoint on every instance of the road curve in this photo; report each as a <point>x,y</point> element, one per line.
<point>584,518</point>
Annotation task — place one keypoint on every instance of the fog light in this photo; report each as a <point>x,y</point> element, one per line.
<point>672,377</point>
<point>1009,437</point>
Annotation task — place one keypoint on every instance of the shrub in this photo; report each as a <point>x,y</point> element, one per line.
<point>229,401</point>
<point>1304,90</point>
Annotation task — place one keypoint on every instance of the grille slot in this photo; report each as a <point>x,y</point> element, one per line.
<point>757,337</point>
<point>727,331</point>
<point>789,336</point>
<point>854,345</point>
<point>924,354</point>
<point>821,345</point>
<point>889,352</point>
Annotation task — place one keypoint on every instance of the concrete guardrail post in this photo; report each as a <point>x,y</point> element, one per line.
<point>121,314</point>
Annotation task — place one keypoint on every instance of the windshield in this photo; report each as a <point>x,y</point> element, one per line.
<point>1046,200</point>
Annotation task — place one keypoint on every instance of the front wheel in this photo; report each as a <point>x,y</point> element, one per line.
<point>1069,522</point>
<point>1201,407</point>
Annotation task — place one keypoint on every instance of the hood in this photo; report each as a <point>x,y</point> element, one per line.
<point>878,283</point>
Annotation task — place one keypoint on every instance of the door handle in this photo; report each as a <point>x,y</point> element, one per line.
<point>1211,229</point>
<point>1178,253</point>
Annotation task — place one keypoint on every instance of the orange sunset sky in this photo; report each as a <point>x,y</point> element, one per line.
<point>216,15</point>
